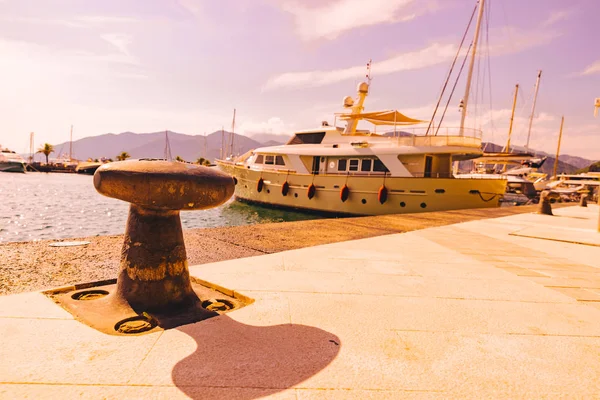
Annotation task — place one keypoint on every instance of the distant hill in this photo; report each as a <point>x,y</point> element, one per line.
<point>566,164</point>
<point>265,138</point>
<point>271,143</point>
<point>578,162</point>
<point>595,167</point>
<point>152,145</point>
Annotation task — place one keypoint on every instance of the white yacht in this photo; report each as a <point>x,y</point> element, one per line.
<point>359,172</point>
<point>346,170</point>
<point>11,161</point>
<point>572,185</point>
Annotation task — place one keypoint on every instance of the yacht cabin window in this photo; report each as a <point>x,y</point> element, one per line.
<point>307,138</point>
<point>269,160</point>
<point>362,165</point>
<point>379,167</point>
<point>259,159</point>
<point>279,160</point>
<point>365,164</point>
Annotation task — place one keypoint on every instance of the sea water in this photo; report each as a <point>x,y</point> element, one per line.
<point>42,206</point>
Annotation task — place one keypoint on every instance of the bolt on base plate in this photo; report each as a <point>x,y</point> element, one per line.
<point>98,305</point>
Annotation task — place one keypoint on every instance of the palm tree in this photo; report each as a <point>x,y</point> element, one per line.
<point>178,158</point>
<point>46,149</point>
<point>123,156</point>
<point>202,161</point>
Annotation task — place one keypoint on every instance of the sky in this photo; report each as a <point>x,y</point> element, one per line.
<point>285,65</point>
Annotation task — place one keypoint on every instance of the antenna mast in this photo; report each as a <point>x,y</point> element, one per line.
<point>471,66</point>
<point>368,76</point>
<point>537,86</point>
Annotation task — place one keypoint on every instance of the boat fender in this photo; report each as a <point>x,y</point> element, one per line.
<point>285,188</point>
<point>382,195</point>
<point>259,185</point>
<point>344,192</point>
<point>311,191</point>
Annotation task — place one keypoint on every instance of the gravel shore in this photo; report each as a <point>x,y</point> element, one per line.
<point>29,266</point>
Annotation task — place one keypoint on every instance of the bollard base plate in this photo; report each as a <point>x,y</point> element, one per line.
<point>97,305</point>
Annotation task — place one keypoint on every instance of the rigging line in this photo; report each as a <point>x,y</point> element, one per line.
<point>477,99</point>
<point>482,60</point>
<point>454,87</point>
<point>481,71</point>
<point>479,89</point>
<point>489,65</point>
<point>508,30</point>
<point>451,69</point>
<point>519,133</point>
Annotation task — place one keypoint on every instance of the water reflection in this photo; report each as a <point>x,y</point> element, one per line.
<point>254,214</point>
<point>40,206</point>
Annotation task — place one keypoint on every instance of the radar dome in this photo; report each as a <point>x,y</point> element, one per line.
<point>363,87</point>
<point>348,101</point>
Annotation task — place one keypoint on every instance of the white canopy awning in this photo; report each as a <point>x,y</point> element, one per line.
<point>386,117</point>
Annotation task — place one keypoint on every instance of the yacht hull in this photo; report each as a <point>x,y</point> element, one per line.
<point>404,195</point>
<point>8,166</point>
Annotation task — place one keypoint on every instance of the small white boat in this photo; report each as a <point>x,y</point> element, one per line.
<point>11,161</point>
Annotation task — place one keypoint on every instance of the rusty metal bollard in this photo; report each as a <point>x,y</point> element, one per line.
<point>583,199</point>
<point>154,273</point>
<point>545,197</point>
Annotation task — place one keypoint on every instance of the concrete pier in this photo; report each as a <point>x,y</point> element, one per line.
<point>507,307</point>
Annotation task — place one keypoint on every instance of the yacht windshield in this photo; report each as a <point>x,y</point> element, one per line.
<point>307,138</point>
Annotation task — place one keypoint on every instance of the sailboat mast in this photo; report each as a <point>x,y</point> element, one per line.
<point>232,133</point>
<point>471,66</point>
<point>222,142</point>
<point>31,146</point>
<point>71,145</point>
<point>537,86</point>
<point>512,118</point>
<point>168,155</point>
<point>562,121</point>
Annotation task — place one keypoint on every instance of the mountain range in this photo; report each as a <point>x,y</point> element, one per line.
<point>152,145</point>
<point>192,147</point>
<point>566,164</point>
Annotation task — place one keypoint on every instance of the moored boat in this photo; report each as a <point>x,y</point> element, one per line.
<point>11,161</point>
<point>358,172</point>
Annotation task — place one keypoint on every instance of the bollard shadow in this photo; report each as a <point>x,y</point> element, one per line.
<point>234,360</point>
<point>570,217</point>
